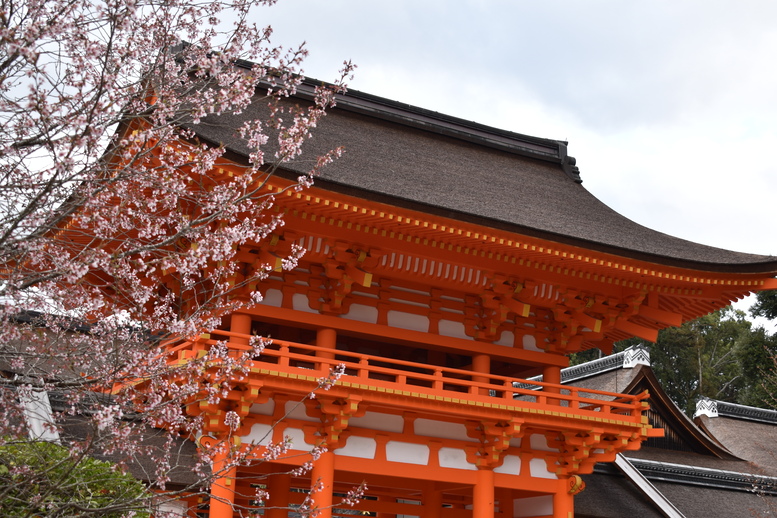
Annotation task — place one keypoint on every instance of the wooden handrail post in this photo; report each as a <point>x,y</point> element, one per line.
<point>438,383</point>
<point>283,358</point>
<point>326,339</point>
<point>364,371</point>
<point>508,391</point>
<point>573,395</point>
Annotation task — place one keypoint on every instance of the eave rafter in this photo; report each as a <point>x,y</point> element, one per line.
<point>366,218</point>
<point>355,242</point>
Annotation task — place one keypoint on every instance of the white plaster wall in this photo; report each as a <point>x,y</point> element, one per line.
<point>297,437</point>
<point>451,328</point>
<point>409,321</point>
<point>260,433</point>
<point>441,429</point>
<point>539,442</point>
<point>409,453</point>
<point>539,468</point>
<point>272,297</point>
<point>362,313</point>
<point>263,408</point>
<point>355,446</point>
<point>296,410</point>
<point>454,458</point>
<point>378,421</point>
<point>507,339</point>
<point>300,303</point>
<point>511,465</point>
<point>530,343</point>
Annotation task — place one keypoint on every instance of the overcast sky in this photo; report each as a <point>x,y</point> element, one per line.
<point>669,107</point>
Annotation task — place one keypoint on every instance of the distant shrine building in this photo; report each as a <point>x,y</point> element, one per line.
<point>446,263</point>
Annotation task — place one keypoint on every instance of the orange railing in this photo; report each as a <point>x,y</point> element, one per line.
<point>421,377</point>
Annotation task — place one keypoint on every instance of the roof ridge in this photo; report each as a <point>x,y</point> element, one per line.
<point>715,408</point>
<point>626,359</point>
<point>710,477</point>
<point>363,103</point>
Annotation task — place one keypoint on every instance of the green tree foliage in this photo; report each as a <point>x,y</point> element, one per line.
<point>719,356</point>
<point>43,479</point>
<point>765,305</point>
<point>698,358</point>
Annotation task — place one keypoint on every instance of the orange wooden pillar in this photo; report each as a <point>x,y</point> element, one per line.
<point>322,478</point>
<point>326,338</point>
<point>279,487</point>
<point>222,490</point>
<point>552,374</point>
<point>432,502</point>
<point>481,363</point>
<point>240,323</point>
<point>322,475</point>
<point>483,494</point>
<point>385,499</point>
<point>563,501</point>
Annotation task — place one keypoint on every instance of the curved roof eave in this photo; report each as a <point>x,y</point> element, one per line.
<point>421,160</point>
<point>738,262</point>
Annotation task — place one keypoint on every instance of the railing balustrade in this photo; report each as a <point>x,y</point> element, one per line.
<point>450,381</point>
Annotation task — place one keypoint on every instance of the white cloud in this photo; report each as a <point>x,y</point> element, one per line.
<point>668,106</point>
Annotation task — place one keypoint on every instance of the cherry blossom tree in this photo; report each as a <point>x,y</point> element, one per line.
<point>105,192</point>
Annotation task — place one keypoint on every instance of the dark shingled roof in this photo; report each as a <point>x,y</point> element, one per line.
<point>745,438</point>
<point>609,495</point>
<point>423,160</point>
<point>728,472</point>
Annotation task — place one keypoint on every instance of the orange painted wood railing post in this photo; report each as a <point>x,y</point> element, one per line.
<point>483,494</point>
<point>283,358</point>
<point>322,477</point>
<point>438,381</point>
<point>364,367</point>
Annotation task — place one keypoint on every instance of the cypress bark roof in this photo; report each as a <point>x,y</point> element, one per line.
<point>723,467</point>
<point>410,157</point>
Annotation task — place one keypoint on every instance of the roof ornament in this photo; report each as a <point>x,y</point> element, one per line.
<point>569,167</point>
<point>636,355</point>
<point>706,406</point>
<point>568,163</point>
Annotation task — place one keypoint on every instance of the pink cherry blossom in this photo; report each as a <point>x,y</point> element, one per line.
<point>116,234</point>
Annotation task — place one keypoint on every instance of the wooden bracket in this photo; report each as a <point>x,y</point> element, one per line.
<point>494,440</point>
<point>335,414</point>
